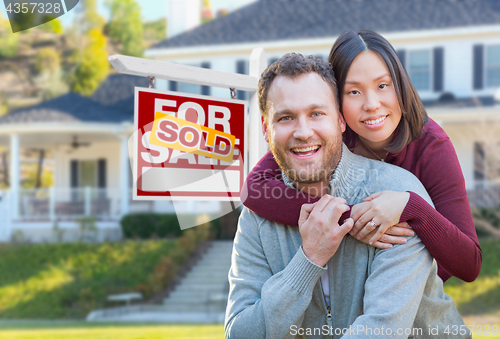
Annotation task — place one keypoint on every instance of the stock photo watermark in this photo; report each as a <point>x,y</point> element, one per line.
<point>24,15</point>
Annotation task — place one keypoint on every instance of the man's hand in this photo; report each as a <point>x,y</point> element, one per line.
<point>319,228</point>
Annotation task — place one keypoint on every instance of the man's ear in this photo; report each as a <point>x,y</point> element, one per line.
<point>342,122</point>
<point>264,129</point>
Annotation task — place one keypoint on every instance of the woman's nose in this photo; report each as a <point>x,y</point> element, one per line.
<point>372,102</point>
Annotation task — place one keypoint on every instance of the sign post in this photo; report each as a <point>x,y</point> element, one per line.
<point>188,147</point>
<point>222,177</point>
<point>208,77</point>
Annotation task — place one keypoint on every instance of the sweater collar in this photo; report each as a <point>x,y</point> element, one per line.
<point>343,176</point>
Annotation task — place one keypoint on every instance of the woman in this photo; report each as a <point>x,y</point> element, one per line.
<point>388,122</point>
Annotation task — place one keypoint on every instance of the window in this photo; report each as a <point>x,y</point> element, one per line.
<point>419,69</point>
<point>185,87</point>
<point>88,173</point>
<point>242,68</point>
<point>493,66</point>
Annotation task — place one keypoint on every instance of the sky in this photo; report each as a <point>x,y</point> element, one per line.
<point>150,10</point>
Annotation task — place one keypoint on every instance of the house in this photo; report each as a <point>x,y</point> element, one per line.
<point>89,141</point>
<point>450,48</point>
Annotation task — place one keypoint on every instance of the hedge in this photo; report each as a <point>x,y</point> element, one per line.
<point>150,225</point>
<point>156,225</point>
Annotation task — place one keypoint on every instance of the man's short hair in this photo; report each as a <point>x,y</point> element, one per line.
<point>292,65</point>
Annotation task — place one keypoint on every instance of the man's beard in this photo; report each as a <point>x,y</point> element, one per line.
<point>323,171</point>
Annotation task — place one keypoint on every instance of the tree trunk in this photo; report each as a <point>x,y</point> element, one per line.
<point>38,181</point>
<point>5,165</point>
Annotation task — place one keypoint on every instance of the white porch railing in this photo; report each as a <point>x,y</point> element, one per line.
<point>68,203</point>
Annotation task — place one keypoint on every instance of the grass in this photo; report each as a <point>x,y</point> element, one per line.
<point>479,302</point>
<point>68,280</point>
<point>84,330</point>
<point>54,280</point>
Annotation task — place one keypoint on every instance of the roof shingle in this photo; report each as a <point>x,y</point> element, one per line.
<point>112,102</point>
<point>269,20</point>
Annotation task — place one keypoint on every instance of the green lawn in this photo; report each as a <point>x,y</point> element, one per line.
<point>57,281</point>
<point>54,280</point>
<point>84,330</point>
<point>479,301</point>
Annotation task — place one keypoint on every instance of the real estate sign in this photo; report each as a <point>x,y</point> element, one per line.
<point>188,147</point>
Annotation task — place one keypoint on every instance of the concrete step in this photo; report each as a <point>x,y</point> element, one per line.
<point>197,285</point>
<point>215,261</point>
<point>204,288</point>
<point>213,265</point>
<point>196,295</point>
<point>196,308</point>
<point>202,273</point>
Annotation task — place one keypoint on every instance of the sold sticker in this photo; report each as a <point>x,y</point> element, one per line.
<point>186,136</point>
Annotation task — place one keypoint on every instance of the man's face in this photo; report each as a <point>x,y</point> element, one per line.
<point>304,127</point>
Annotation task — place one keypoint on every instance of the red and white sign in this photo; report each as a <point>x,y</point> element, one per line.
<point>168,164</point>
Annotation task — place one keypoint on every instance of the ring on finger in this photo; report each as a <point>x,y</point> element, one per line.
<point>371,223</point>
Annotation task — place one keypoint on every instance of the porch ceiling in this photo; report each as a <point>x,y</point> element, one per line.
<point>49,135</point>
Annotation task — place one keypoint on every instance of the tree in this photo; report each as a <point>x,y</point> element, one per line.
<point>88,18</point>
<point>9,41</point>
<point>50,77</point>
<point>92,66</point>
<point>90,61</point>
<point>155,30</point>
<point>54,26</point>
<point>125,26</point>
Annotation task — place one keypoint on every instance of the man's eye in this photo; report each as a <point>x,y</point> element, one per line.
<point>317,114</point>
<point>284,119</point>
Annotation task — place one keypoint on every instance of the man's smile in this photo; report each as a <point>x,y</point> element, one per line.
<point>305,151</point>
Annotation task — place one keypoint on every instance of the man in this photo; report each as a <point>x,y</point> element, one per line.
<point>283,279</point>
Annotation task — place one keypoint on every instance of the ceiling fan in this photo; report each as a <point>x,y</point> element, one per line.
<point>76,144</point>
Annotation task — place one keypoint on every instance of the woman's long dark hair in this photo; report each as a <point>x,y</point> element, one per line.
<point>413,115</point>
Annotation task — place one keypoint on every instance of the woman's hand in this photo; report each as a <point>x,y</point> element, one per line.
<point>384,209</point>
<point>394,235</point>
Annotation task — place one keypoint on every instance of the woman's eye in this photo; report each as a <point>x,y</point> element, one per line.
<point>354,92</point>
<point>382,86</point>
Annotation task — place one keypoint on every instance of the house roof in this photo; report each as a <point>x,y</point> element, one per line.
<point>269,20</point>
<point>112,102</point>
<point>117,91</point>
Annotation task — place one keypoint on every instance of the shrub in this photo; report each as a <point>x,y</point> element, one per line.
<point>155,225</point>
<point>148,225</point>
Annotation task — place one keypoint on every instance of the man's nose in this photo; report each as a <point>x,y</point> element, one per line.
<point>372,101</point>
<point>303,130</point>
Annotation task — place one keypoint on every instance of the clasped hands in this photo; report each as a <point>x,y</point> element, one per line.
<point>375,221</point>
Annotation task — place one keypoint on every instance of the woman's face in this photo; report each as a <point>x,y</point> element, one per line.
<point>370,104</point>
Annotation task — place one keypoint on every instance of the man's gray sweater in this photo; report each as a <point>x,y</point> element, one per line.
<point>275,290</point>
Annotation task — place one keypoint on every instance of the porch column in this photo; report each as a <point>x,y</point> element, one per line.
<point>14,175</point>
<point>124,175</point>
<point>258,63</point>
